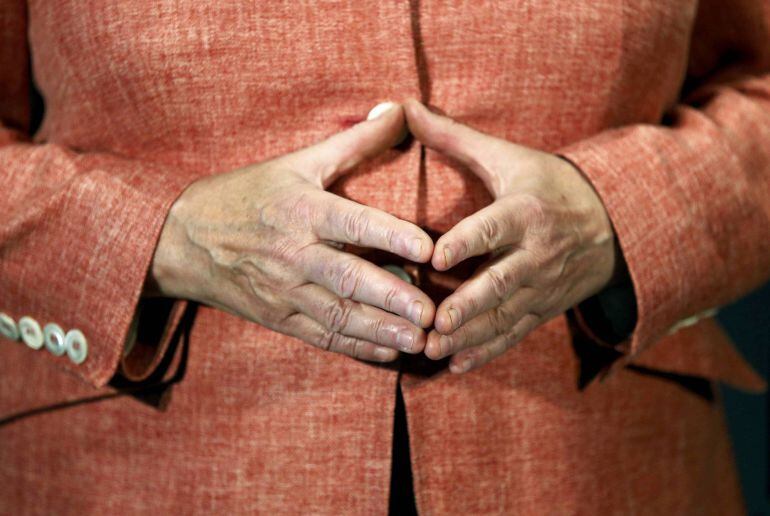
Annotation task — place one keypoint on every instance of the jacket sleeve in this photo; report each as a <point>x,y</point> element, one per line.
<point>690,198</point>
<point>77,233</point>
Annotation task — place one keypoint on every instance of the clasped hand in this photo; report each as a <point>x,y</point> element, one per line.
<point>263,242</point>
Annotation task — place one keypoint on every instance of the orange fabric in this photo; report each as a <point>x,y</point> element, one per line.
<point>143,97</point>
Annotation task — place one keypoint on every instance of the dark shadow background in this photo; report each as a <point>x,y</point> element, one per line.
<point>748,323</point>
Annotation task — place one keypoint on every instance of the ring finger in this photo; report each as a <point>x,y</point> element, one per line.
<point>303,327</point>
<point>477,356</point>
<point>358,320</point>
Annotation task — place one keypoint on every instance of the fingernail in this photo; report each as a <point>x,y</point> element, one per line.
<point>380,109</point>
<point>405,340</point>
<point>415,248</point>
<point>385,354</point>
<point>454,318</point>
<point>415,312</point>
<point>447,256</point>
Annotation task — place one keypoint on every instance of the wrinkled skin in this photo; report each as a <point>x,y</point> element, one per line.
<point>262,242</point>
<point>551,242</point>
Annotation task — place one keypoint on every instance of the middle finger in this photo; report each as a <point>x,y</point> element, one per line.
<point>358,320</point>
<point>355,278</point>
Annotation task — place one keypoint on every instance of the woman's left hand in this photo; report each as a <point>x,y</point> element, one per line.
<point>551,241</point>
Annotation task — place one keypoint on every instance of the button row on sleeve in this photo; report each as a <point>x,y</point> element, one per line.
<point>73,343</point>
<point>692,320</point>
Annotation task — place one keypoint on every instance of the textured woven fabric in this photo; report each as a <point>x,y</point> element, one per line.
<point>663,104</point>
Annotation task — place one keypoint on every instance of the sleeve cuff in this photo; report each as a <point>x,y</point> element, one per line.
<point>149,336</point>
<point>78,251</point>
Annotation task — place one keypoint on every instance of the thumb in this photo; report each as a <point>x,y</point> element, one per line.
<point>340,153</point>
<point>450,137</point>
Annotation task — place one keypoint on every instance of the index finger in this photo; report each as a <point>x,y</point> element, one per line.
<point>355,278</point>
<point>349,222</point>
<point>487,230</point>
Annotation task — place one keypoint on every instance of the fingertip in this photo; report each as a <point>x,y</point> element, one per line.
<point>418,344</point>
<point>428,250</point>
<point>460,363</point>
<point>412,104</point>
<point>448,255</point>
<point>437,261</point>
<point>421,248</point>
<point>445,257</point>
<point>433,347</point>
<point>428,314</point>
<point>455,367</point>
<point>383,354</point>
<point>415,111</point>
<point>445,323</point>
<point>421,342</point>
<point>444,254</point>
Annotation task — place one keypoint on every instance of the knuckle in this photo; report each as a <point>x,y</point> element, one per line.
<point>532,262</point>
<point>520,330</point>
<point>288,251</point>
<point>533,321</point>
<point>297,210</point>
<point>348,278</point>
<point>274,313</point>
<point>337,314</point>
<point>269,214</point>
<point>390,237</point>
<point>485,354</point>
<point>498,282</point>
<point>377,331</point>
<point>303,205</point>
<point>337,342</point>
<point>499,322</point>
<point>325,340</point>
<point>511,336</point>
<point>489,231</point>
<point>468,307</point>
<point>328,214</point>
<point>460,339</point>
<point>541,307</point>
<point>551,275</point>
<point>358,348</point>
<point>355,224</point>
<point>390,296</point>
<point>533,210</point>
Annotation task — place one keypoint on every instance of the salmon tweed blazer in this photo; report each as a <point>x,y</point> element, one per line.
<point>663,104</point>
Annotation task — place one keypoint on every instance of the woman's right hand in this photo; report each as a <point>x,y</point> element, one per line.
<point>262,242</point>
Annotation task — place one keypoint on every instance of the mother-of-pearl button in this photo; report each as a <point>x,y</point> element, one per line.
<point>54,339</point>
<point>8,327</point>
<point>30,332</point>
<point>76,345</point>
<point>692,320</point>
<point>379,109</point>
